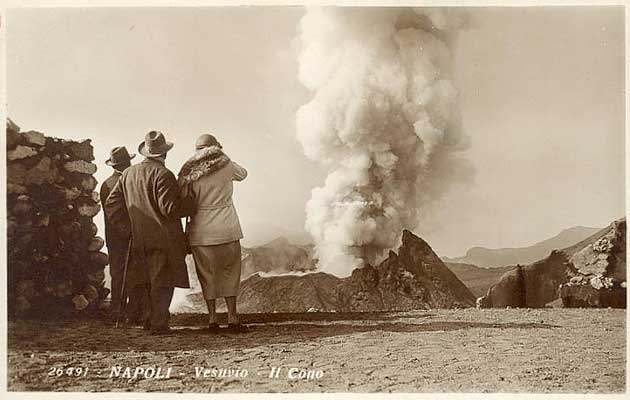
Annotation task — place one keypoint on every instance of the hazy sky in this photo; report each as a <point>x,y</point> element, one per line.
<point>541,93</point>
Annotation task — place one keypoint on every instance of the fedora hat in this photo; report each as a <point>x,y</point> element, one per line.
<point>119,155</point>
<point>206,140</point>
<point>154,145</point>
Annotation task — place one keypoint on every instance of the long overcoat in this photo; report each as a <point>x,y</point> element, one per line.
<point>117,227</point>
<point>150,194</point>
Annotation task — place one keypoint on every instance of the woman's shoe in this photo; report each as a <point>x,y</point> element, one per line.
<point>237,328</point>
<point>214,328</point>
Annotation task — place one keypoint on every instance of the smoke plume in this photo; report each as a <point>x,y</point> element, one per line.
<point>383,118</point>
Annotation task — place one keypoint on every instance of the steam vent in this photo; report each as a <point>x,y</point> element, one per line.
<point>55,266</point>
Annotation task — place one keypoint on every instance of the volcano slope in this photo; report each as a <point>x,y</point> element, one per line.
<point>415,278</point>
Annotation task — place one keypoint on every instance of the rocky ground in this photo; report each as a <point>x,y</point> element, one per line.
<point>469,350</point>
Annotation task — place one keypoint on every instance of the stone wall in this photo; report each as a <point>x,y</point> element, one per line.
<point>55,264</point>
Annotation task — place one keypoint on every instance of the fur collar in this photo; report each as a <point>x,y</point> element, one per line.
<point>204,162</point>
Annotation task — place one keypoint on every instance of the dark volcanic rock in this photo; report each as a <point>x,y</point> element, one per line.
<point>591,273</point>
<point>288,293</point>
<point>415,278</point>
<point>530,286</point>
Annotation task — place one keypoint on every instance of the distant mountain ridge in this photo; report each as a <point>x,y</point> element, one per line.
<point>493,258</point>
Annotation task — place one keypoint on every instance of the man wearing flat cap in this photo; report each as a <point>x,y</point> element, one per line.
<point>150,193</point>
<point>117,229</point>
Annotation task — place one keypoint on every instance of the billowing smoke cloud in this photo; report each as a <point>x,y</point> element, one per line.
<point>383,117</point>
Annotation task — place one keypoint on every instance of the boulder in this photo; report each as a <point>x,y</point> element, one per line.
<point>22,304</point>
<point>15,189</point>
<point>23,205</point>
<point>90,293</point>
<point>26,288</point>
<point>93,229</point>
<point>71,194</point>
<point>96,244</point>
<point>43,172</point>
<point>80,166</point>
<point>16,173</point>
<point>63,289</point>
<point>70,231</point>
<point>80,302</point>
<point>13,134</point>
<point>82,150</point>
<point>34,138</point>
<point>89,209</point>
<point>89,183</point>
<point>20,152</point>
<point>42,220</point>
<point>98,259</point>
<point>96,276</point>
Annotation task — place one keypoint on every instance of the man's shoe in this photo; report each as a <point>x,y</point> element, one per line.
<point>113,317</point>
<point>165,330</point>
<point>214,328</point>
<point>146,325</point>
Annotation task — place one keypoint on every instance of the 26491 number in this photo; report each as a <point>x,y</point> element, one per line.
<point>75,372</point>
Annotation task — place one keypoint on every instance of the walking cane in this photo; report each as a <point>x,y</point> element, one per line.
<point>123,290</point>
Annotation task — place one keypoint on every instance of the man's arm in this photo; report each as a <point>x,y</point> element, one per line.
<point>115,209</point>
<point>104,194</point>
<point>168,196</point>
<point>189,202</point>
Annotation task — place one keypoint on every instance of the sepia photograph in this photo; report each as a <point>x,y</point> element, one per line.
<point>301,198</point>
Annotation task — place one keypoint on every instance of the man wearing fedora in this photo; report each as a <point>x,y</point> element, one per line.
<point>150,193</point>
<point>117,229</point>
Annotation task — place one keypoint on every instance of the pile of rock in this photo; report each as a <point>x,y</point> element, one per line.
<point>55,263</point>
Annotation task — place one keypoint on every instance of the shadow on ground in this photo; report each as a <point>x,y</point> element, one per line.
<point>190,334</point>
<point>199,319</point>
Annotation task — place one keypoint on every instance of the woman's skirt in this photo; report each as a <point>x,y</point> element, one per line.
<point>218,269</point>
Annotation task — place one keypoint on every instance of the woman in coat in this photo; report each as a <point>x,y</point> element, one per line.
<point>214,231</point>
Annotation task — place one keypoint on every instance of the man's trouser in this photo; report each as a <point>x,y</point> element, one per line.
<point>117,256</point>
<point>156,298</point>
<point>136,304</point>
